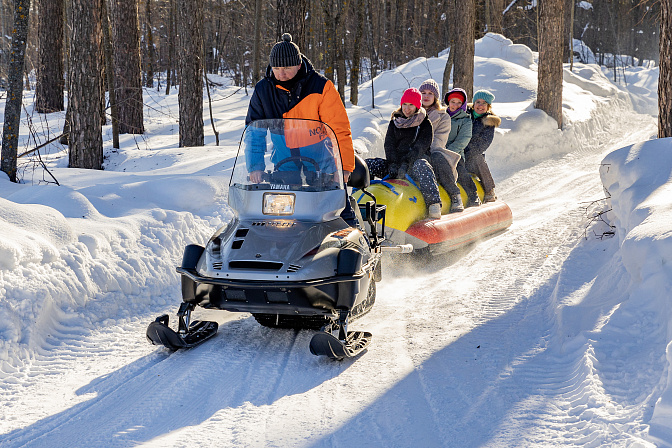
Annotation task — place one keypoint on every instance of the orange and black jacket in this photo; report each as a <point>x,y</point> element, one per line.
<point>312,97</point>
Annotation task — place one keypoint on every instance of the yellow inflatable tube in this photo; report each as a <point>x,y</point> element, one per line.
<point>405,204</point>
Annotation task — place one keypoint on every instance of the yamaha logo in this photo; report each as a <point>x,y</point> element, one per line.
<point>274,223</point>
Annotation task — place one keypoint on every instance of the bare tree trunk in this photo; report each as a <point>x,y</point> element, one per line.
<point>340,64</point>
<point>665,75</point>
<point>171,46</point>
<point>256,52</point>
<point>568,21</point>
<point>334,15</point>
<point>190,98</point>
<point>551,44</point>
<point>12,123</point>
<point>447,70</point>
<point>571,36</point>
<point>109,71</point>
<point>357,55</point>
<point>463,73</point>
<point>291,19</point>
<point>329,15</point>
<point>50,81</point>
<point>85,140</point>
<point>149,82</point>
<point>127,69</point>
<point>496,16</point>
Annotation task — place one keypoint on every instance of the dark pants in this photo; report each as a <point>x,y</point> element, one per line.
<point>421,172</point>
<point>348,214</point>
<point>464,179</point>
<point>444,173</point>
<point>476,164</point>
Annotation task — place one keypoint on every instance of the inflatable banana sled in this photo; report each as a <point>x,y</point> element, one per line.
<point>407,222</point>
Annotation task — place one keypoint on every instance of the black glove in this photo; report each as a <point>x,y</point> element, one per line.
<point>392,171</point>
<point>401,174</point>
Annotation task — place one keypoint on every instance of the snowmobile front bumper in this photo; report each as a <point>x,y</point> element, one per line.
<point>310,297</point>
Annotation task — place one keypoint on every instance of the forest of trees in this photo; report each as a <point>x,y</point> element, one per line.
<point>391,32</point>
<point>162,43</point>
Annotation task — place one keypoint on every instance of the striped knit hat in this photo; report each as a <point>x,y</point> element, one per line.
<point>285,53</point>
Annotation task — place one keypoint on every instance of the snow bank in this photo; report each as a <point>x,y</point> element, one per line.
<point>639,181</point>
<point>104,251</point>
<point>593,106</point>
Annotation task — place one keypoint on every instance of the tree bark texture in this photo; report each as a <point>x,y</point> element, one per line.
<point>447,70</point>
<point>127,69</point>
<point>292,19</point>
<point>170,73</point>
<point>50,80</point>
<point>496,16</point>
<point>190,98</point>
<point>463,71</point>
<point>109,72</point>
<point>357,54</point>
<point>149,36</point>
<point>12,123</point>
<point>551,45</point>
<point>84,93</point>
<point>665,75</point>
<point>256,51</point>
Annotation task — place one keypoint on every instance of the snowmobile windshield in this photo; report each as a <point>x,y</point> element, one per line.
<point>288,154</point>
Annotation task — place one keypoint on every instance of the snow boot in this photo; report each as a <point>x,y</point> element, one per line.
<point>490,196</point>
<point>473,201</point>
<point>456,203</point>
<point>435,211</point>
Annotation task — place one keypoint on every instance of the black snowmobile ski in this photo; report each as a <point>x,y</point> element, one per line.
<point>326,344</point>
<point>159,333</point>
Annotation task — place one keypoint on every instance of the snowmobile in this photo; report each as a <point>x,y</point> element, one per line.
<point>407,221</point>
<point>287,257</point>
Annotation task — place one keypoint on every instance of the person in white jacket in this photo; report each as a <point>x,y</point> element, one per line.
<point>443,160</point>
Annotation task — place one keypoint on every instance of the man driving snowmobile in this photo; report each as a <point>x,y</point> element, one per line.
<point>293,89</point>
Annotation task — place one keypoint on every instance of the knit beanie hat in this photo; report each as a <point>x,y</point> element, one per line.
<point>285,53</point>
<point>412,96</point>
<point>432,86</point>
<point>484,95</point>
<point>459,94</point>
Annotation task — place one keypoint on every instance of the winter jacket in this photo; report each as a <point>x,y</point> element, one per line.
<point>441,123</point>
<point>312,97</point>
<point>483,131</point>
<point>460,132</point>
<point>403,146</point>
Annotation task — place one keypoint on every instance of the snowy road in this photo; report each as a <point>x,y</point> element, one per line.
<point>466,352</point>
<point>531,338</point>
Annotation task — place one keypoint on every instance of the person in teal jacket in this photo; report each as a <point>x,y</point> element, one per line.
<point>458,139</point>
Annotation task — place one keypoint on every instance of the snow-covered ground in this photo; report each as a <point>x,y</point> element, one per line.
<point>554,333</point>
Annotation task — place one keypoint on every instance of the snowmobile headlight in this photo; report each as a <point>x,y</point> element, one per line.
<point>278,204</point>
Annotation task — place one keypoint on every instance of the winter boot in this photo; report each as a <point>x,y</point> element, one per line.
<point>490,196</point>
<point>473,201</point>
<point>456,203</point>
<point>435,211</point>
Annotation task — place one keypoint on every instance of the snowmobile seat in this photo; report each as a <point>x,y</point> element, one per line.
<point>360,177</point>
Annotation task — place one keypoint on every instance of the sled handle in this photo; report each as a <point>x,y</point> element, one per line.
<point>400,249</point>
